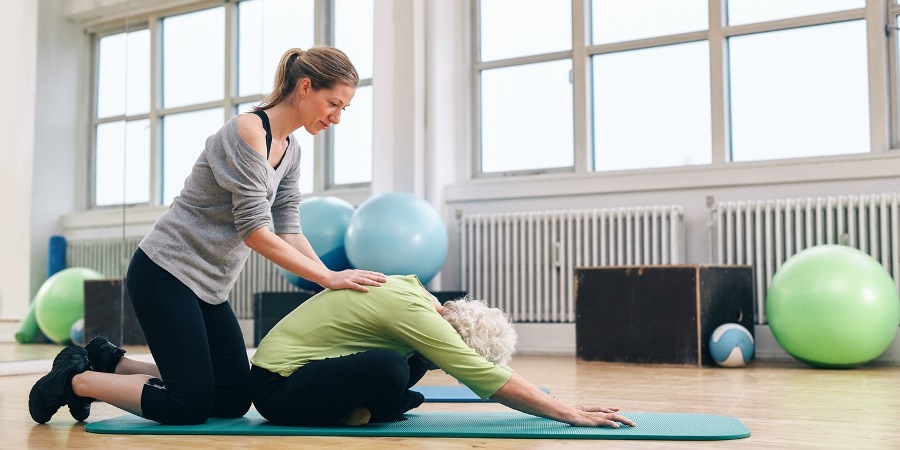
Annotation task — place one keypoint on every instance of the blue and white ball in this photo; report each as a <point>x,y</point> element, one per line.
<point>731,345</point>
<point>76,332</point>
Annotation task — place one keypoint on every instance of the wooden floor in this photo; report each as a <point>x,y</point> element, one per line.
<point>784,405</point>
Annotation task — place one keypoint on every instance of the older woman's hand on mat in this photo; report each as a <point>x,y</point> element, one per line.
<point>605,409</point>
<point>599,416</point>
<point>523,396</point>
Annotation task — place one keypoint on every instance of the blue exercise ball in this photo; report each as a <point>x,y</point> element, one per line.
<point>324,220</point>
<point>397,233</point>
<point>731,345</point>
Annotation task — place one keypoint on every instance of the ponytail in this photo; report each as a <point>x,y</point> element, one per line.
<point>324,66</point>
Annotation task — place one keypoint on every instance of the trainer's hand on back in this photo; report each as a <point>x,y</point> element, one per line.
<point>354,279</point>
<point>599,416</point>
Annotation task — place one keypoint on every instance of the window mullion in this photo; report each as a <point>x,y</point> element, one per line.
<point>881,94</point>
<point>324,145</point>
<point>581,87</point>
<point>718,82</point>
<point>156,159</point>
<point>231,59</point>
<point>894,72</point>
<point>92,141</point>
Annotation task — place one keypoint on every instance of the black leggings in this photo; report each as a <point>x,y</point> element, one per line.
<point>198,348</point>
<point>322,392</point>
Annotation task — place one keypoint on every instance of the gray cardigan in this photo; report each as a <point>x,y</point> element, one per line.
<point>232,191</point>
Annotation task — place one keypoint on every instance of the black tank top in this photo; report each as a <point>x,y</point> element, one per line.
<point>265,120</point>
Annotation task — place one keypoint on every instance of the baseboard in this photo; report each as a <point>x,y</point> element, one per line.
<point>247,330</point>
<point>559,339</point>
<point>546,339</point>
<point>8,330</point>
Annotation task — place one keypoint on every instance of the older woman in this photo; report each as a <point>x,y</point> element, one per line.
<point>349,358</point>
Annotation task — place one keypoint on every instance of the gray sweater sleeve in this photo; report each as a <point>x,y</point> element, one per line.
<point>242,172</point>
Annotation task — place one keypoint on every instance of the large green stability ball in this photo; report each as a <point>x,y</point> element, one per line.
<point>833,306</point>
<point>60,302</point>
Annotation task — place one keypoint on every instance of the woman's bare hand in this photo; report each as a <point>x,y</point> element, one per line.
<point>355,279</point>
<point>599,416</point>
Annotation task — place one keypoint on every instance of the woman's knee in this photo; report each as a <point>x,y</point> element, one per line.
<point>191,415</point>
<point>235,407</point>
<point>190,408</point>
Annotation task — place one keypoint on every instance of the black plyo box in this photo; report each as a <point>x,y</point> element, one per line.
<point>271,307</point>
<point>108,312</point>
<point>658,314</point>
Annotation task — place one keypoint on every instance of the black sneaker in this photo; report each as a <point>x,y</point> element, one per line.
<point>55,389</point>
<point>103,354</point>
<point>79,407</point>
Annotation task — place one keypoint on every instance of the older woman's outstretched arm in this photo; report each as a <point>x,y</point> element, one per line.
<point>523,396</point>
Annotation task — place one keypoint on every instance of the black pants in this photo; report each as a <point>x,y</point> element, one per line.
<point>198,348</point>
<point>321,392</point>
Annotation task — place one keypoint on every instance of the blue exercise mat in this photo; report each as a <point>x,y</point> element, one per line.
<point>508,425</point>
<point>451,394</point>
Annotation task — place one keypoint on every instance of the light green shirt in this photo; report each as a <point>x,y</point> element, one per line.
<point>398,315</point>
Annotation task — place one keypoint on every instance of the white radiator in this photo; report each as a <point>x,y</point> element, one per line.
<point>111,257</point>
<point>765,233</point>
<point>524,263</point>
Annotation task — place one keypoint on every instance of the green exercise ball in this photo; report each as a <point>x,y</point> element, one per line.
<point>60,302</point>
<point>833,306</point>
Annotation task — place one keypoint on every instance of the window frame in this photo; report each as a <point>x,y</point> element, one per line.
<point>891,30</point>
<point>883,102</point>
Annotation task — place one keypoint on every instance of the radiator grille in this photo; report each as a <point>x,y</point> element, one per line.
<point>524,262</point>
<point>111,257</point>
<point>765,233</point>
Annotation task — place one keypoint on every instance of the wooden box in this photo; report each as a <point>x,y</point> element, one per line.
<point>658,314</point>
<point>108,312</point>
<point>270,307</point>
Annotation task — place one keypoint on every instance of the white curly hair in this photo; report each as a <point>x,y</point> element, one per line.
<point>488,331</point>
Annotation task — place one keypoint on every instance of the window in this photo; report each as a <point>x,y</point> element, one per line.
<point>771,80</point>
<point>651,99</point>
<point>143,150</point>
<point>351,162</point>
<point>799,92</point>
<point>742,12</point>
<point>535,96</point>
<point>121,128</point>
<point>193,58</point>
<point>623,20</point>
<point>651,107</point>
<point>525,85</point>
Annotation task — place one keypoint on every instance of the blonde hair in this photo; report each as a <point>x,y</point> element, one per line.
<point>324,66</point>
<point>486,330</point>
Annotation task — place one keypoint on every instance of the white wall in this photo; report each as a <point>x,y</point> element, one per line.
<point>60,125</point>
<point>18,39</point>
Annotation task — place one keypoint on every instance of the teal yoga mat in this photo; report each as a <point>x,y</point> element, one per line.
<point>451,394</point>
<point>508,425</point>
